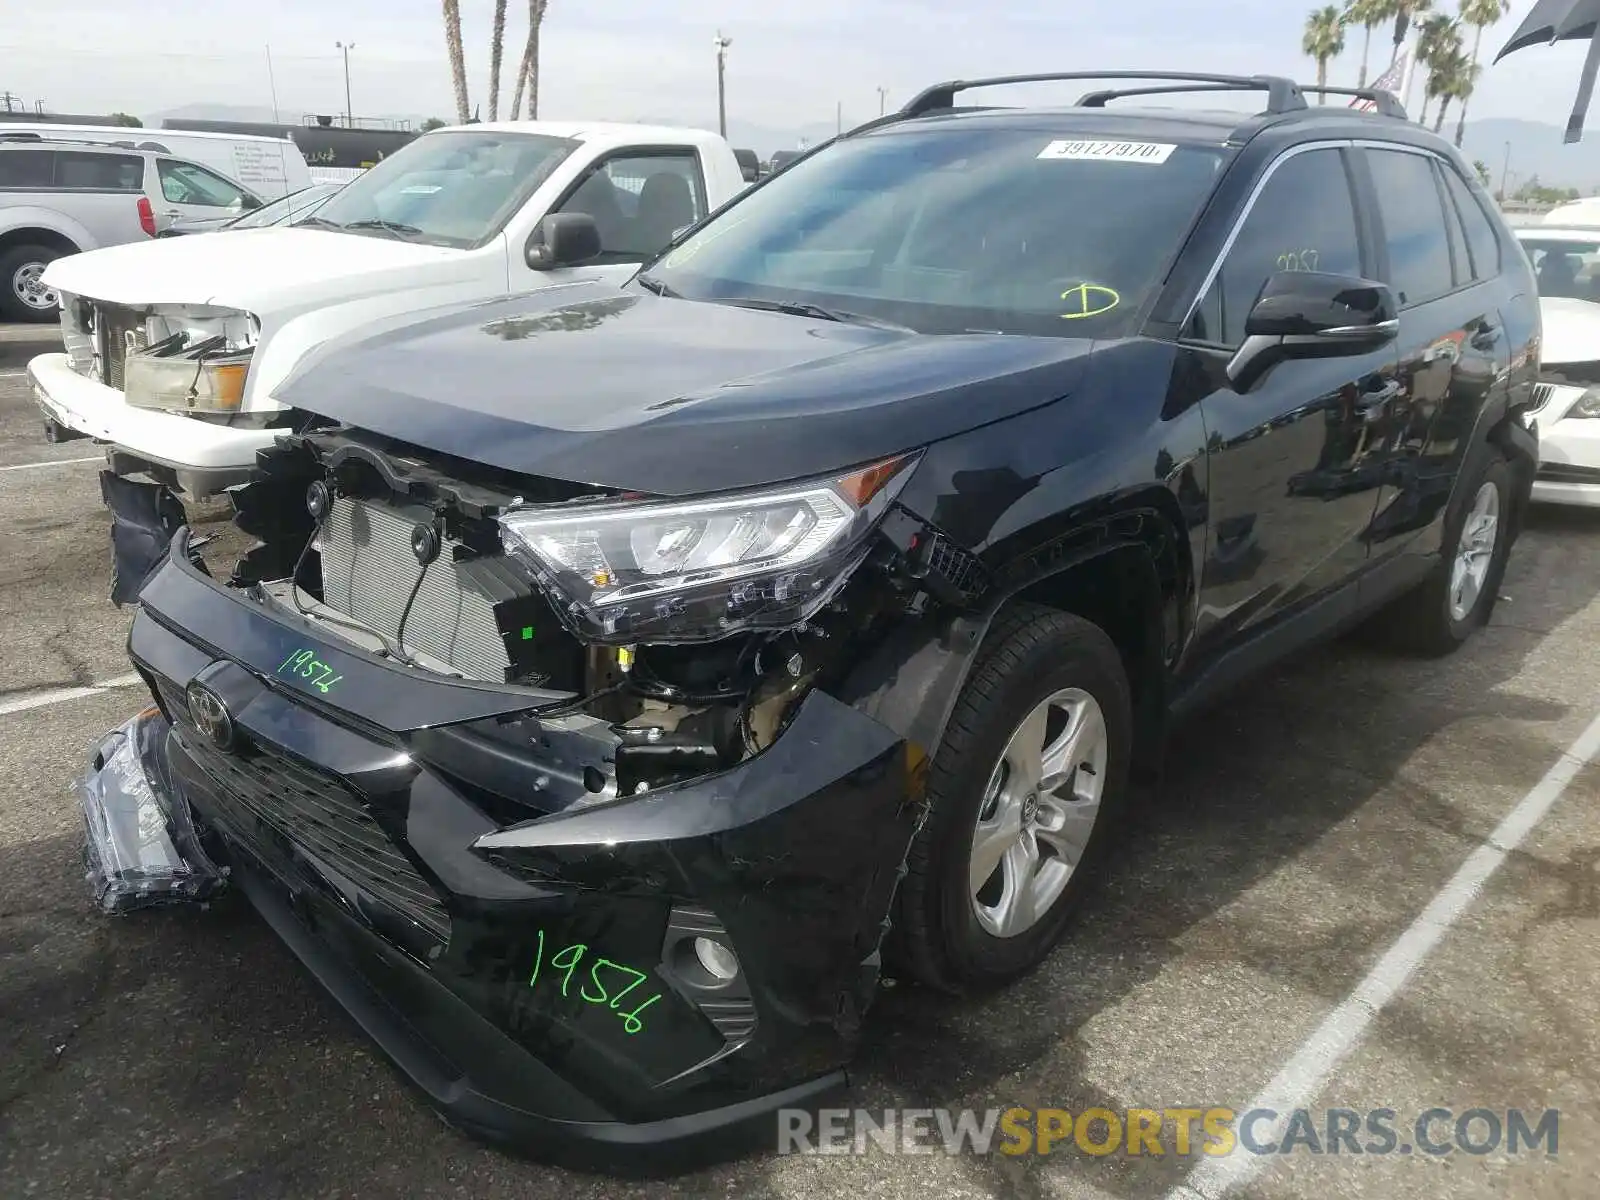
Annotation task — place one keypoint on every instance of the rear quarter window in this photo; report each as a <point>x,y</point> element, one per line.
<point>26,168</point>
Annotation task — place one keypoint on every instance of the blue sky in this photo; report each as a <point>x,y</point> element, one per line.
<point>789,65</point>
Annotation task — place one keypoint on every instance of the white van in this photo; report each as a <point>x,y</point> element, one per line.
<point>264,166</point>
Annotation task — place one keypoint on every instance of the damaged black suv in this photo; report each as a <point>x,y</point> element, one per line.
<point>620,681</point>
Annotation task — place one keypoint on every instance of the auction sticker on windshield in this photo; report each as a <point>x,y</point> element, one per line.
<point>1138,152</point>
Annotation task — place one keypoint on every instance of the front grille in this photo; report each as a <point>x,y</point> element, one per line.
<point>368,571</point>
<point>1542,394</point>
<point>118,331</point>
<point>260,789</point>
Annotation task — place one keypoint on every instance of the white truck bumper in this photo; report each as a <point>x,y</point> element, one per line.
<point>204,458</point>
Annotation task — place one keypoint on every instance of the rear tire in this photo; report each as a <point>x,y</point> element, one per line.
<point>956,932</point>
<point>1459,594</point>
<point>22,296</point>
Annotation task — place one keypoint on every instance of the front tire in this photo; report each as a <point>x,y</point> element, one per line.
<point>1030,775</point>
<point>23,296</point>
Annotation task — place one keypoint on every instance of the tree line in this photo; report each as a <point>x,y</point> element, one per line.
<point>1452,70</point>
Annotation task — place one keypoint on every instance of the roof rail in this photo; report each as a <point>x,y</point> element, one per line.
<point>1387,102</point>
<point>1101,98</point>
<point>1283,95</point>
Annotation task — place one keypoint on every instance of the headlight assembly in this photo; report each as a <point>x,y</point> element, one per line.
<point>1588,404</point>
<point>190,359</point>
<point>695,570</point>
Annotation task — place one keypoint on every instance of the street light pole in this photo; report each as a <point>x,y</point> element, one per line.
<point>1505,175</point>
<point>722,44</point>
<point>883,98</point>
<point>349,115</point>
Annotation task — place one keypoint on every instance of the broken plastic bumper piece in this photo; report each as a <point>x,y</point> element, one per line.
<point>141,846</point>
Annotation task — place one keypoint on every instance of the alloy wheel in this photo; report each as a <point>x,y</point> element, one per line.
<point>1474,551</point>
<point>1038,811</point>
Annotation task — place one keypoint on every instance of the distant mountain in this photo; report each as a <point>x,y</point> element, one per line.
<point>1535,149</point>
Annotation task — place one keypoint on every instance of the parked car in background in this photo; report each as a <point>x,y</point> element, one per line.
<point>173,349</point>
<point>1566,262</point>
<point>803,608</point>
<point>286,210</point>
<point>61,198</point>
<point>781,159</point>
<point>267,167</point>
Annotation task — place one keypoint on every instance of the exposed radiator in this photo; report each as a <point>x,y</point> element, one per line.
<point>368,571</point>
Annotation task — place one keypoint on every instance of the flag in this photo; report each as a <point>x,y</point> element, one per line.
<point>1389,81</point>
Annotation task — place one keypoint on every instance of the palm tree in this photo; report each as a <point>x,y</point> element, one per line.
<point>1450,78</point>
<point>1438,40</point>
<point>458,65</point>
<point>1368,14</point>
<point>497,41</point>
<point>1480,14</point>
<point>1324,39</point>
<point>528,73</point>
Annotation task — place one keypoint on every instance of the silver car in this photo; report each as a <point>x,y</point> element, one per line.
<point>59,197</point>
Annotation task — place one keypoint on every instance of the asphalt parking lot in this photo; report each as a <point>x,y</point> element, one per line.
<point>1301,832</point>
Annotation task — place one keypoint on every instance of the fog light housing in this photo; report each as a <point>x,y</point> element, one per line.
<point>717,960</point>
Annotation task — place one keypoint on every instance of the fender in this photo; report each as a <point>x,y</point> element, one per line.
<point>34,216</point>
<point>911,682</point>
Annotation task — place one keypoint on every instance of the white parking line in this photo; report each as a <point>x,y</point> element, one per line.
<point>61,695</point>
<point>55,462</point>
<point>1303,1077</point>
<point>13,374</point>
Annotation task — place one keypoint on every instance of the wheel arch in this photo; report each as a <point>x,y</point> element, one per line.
<point>1129,572</point>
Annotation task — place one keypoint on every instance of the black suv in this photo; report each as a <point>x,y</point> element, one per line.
<point>620,679</point>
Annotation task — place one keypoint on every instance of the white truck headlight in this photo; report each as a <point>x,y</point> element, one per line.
<point>1588,404</point>
<point>698,570</point>
<point>191,358</point>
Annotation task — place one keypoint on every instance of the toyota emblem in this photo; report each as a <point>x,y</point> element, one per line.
<point>210,715</point>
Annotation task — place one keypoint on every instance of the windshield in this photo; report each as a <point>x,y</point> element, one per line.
<point>288,208</point>
<point>957,230</point>
<point>450,188</point>
<point>1565,267</point>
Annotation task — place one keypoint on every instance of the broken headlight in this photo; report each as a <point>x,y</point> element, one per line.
<point>190,358</point>
<point>696,570</point>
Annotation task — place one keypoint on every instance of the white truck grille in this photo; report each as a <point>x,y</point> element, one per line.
<point>368,571</point>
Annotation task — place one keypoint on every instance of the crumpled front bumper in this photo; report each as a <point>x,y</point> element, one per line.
<point>535,973</point>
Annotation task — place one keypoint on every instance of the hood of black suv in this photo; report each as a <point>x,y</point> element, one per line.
<point>674,397</point>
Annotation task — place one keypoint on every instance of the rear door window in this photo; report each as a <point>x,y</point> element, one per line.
<point>1481,238</point>
<point>83,171</point>
<point>1414,225</point>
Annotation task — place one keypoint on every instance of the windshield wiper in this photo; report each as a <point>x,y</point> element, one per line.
<point>319,222</point>
<point>394,227</point>
<point>797,308</point>
<point>651,284</point>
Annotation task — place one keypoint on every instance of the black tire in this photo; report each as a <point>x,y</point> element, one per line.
<point>1421,622</point>
<point>12,263</point>
<point>1031,653</point>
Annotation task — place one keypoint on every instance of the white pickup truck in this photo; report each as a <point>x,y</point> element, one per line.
<point>173,347</point>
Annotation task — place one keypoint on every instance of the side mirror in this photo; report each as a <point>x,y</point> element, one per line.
<point>1305,314</point>
<point>563,240</point>
<point>247,203</point>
